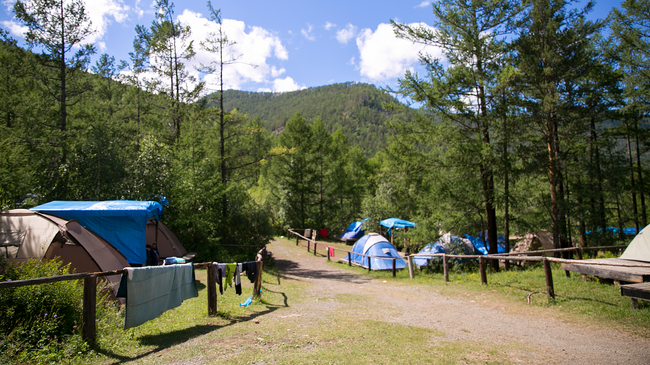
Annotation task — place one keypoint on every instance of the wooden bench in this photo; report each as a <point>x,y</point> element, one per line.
<point>617,273</point>
<point>636,291</point>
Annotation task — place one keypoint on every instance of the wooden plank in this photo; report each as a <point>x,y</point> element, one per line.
<point>89,328</point>
<point>410,262</point>
<point>445,267</point>
<point>638,291</point>
<point>394,270</point>
<point>629,274</point>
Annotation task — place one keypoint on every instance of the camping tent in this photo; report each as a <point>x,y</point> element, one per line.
<point>639,248</point>
<point>166,241</point>
<point>374,244</point>
<point>541,240</point>
<point>353,232</point>
<point>443,246</point>
<point>26,234</point>
<point>397,223</point>
<point>479,244</point>
<point>122,223</point>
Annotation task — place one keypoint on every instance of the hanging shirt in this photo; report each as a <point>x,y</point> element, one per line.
<point>251,270</point>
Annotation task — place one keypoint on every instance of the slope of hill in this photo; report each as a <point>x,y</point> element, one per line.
<point>356,109</point>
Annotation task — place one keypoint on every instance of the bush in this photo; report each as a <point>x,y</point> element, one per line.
<point>40,323</point>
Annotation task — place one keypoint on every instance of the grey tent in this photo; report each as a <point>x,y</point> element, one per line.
<point>166,241</point>
<point>27,234</point>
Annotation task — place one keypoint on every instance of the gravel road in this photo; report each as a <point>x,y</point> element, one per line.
<point>532,337</point>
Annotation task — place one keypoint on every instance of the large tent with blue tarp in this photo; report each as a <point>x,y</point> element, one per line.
<point>374,244</point>
<point>123,223</point>
<point>354,231</point>
<point>442,245</point>
<point>479,242</point>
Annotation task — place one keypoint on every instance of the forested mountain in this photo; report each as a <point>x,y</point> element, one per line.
<point>356,109</point>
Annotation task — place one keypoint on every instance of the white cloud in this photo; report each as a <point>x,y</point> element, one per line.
<point>307,33</point>
<point>100,12</point>
<point>344,35</point>
<point>275,72</point>
<point>14,28</point>
<point>384,56</point>
<point>286,84</point>
<point>423,4</point>
<point>264,90</point>
<point>352,61</point>
<point>329,25</point>
<point>253,47</point>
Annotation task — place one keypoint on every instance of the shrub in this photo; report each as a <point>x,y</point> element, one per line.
<point>39,322</point>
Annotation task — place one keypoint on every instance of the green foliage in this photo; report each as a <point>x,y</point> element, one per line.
<point>39,322</point>
<point>359,110</point>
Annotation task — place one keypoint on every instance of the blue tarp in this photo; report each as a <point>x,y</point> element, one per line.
<point>123,223</point>
<point>354,231</point>
<point>374,244</point>
<point>614,231</point>
<point>479,244</point>
<point>397,223</point>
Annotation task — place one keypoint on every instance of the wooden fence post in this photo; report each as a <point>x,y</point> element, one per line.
<point>445,267</point>
<point>296,240</point>
<point>349,259</point>
<point>481,265</point>
<point>579,253</point>
<point>89,309</point>
<point>369,263</point>
<point>411,273</point>
<point>212,290</point>
<point>258,282</point>
<point>549,278</point>
<point>328,253</point>
<point>315,244</point>
<point>394,268</point>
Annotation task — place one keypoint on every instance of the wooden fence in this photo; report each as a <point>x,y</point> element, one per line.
<point>482,260</point>
<point>89,330</point>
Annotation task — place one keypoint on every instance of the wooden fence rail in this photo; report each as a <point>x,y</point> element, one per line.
<point>89,311</point>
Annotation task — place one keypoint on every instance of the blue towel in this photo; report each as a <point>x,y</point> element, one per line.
<point>152,290</point>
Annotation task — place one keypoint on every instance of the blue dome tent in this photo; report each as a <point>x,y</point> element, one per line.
<point>479,242</point>
<point>374,244</point>
<point>354,231</point>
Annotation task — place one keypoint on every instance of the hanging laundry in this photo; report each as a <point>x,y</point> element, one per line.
<point>152,290</point>
<point>230,273</point>
<point>251,270</point>
<point>324,232</point>
<point>220,273</point>
<point>237,279</point>
<point>331,249</point>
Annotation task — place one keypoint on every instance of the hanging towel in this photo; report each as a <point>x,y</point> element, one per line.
<point>251,270</point>
<point>152,290</point>
<point>331,249</point>
<point>324,232</point>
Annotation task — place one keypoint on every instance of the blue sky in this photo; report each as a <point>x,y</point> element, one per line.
<point>293,43</point>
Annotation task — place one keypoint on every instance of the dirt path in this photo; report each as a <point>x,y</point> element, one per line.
<point>524,338</point>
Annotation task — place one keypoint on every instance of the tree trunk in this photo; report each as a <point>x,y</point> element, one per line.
<point>631,165</point>
<point>644,221</point>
